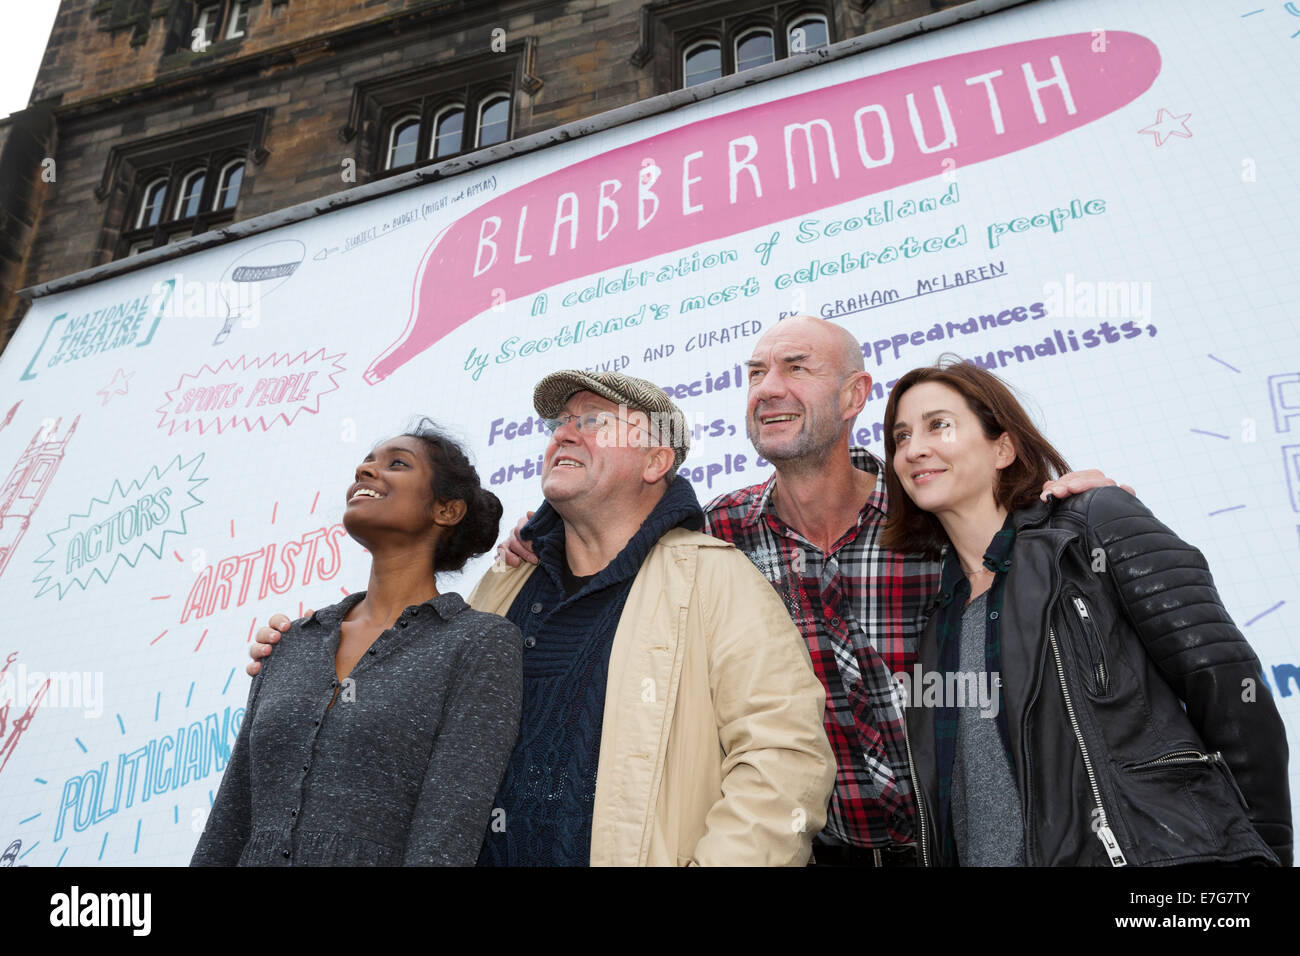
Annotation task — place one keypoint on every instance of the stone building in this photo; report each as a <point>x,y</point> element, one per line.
<point>152,121</point>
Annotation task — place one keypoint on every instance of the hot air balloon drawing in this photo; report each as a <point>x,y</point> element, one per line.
<point>253,276</point>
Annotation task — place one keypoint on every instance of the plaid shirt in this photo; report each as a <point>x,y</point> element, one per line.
<point>861,610</point>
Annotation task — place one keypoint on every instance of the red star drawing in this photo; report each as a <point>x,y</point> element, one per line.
<point>1168,124</point>
<point>113,388</point>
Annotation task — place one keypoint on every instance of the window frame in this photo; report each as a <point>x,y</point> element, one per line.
<point>131,167</point>
<point>427,109</point>
<point>182,193</point>
<point>793,23</point>
<point>224,33</point>
<point>671,31</point>
<point>142,204</point>
<point>176,176</point>
<point>433,130</point>
<point>696,46</point>
<point>470,84</point>
<point>741,37</point>
<point>242,163</point>
<point>398,123</point>
<point>234,10</point>
<point>486,101</point>
<point>209,36</point>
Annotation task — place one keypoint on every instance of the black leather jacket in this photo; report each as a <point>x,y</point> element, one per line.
<point>1111,768</point>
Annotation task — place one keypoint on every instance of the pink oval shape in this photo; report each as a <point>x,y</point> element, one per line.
<point>755,166</point>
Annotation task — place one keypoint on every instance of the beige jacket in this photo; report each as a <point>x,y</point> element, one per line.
<point>712,747</point>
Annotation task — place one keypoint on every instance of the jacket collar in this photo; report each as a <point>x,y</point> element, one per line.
<point>1034,515</point>
<point>997,558</point>
<point>678,508</point>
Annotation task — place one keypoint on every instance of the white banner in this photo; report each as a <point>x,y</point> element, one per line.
<point>1095,199</point>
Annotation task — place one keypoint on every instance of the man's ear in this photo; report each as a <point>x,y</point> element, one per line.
<point>855,392</point>
<point>658,464</point>
<point>448,513</point>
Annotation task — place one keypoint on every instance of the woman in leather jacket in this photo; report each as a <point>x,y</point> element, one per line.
<point>1081,697</point>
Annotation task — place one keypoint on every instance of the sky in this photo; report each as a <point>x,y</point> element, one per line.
<point>24,31</point>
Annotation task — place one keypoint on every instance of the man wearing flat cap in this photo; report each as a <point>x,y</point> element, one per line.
<point>671,714</point>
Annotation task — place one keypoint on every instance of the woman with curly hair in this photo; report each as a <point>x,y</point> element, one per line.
<point>379,735</point>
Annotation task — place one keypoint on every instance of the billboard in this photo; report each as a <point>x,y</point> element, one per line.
<point>1094,200</point>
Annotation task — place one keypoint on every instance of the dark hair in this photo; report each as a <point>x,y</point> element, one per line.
<point>912,530</point>
<point>455,478</point>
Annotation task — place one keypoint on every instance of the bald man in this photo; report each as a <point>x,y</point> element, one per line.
<point>813,530</point>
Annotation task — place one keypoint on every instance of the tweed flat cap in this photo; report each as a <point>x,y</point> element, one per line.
<point>667,422</point>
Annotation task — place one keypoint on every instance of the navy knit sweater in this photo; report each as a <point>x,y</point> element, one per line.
<point>550,783</point>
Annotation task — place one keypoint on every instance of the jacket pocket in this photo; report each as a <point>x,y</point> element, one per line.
<point>1183,808</point>
<point>1190,758</point>
<point>1086,641</point>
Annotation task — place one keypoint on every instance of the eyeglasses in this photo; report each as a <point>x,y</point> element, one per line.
<point>592,422</point>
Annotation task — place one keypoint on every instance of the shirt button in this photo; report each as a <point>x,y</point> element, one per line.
<point>372,650</point>
<point>537,607</point>
<point>530,641</point>
<point>334,683</point>
<point>293,813</point>
<point>835,622</point>
<point>286,854</point>
<point>305,766</point>
<point>993,616</point>
<point>316,722</point>
<point>403,623</point>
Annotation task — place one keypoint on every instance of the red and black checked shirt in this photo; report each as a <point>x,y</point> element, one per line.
<point>860,610</point>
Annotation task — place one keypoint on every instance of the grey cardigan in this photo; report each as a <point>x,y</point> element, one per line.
<point>401,770</point>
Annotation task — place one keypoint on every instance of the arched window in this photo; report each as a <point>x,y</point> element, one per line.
<point>152,202</point>
<point>228,183</point>
<point>807,33</point>
<point>493,120</point>
<point>448,131</point>
<point>754,49</point>
<point>402,140</point>
<point>183,186</point>
<point>191,194</point>
<point>701,62</point>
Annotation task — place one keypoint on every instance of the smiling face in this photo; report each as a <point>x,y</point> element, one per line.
<point>392,492</point>
<point>803,391</point>
<point>942,457</point>
<point>600,467</point>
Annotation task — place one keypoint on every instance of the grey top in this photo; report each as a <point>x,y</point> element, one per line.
<point>986,816</point>
<point>401,770</point>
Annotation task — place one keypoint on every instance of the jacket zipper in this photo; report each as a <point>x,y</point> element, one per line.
<point>920,800</point>
<point>1194,757</point>
<point>1104,833</point>
<point>1179,756</point>
<point>1099,660</point>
